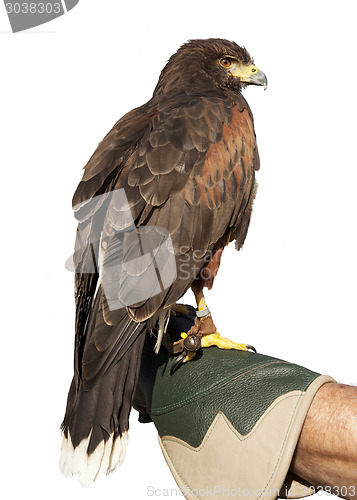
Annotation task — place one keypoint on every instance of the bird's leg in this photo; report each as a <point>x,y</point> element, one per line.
<point>204,334</point>
<point>213,337</point>
<point>201,302</point>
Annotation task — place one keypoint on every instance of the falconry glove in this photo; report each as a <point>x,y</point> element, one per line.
<point>229,421</point>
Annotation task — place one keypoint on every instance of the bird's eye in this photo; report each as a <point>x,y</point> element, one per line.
<point>225,62</point>
<point>254,69</point>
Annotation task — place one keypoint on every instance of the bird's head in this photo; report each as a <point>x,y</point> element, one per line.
<point>211,63</point>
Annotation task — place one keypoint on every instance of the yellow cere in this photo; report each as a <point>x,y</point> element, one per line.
<point>244,71</point>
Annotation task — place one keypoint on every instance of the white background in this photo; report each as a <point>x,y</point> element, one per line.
<point>291,292</point>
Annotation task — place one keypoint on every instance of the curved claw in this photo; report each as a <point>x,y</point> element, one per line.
<point>178,362</point>
<point>251,348</point>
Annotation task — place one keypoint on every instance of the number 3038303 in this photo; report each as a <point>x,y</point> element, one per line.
<point>33,8</point>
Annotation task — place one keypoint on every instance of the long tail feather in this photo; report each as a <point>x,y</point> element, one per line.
<point>96,423</point>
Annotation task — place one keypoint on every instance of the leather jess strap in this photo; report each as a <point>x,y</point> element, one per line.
<point>201,326</point>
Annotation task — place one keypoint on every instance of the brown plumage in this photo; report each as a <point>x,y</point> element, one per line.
<point>186,161</point>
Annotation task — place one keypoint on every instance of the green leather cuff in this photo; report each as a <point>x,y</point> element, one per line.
<point>228,421</point>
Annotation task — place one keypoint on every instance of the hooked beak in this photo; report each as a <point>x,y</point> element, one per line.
<point>258,78</point>
<point>250,75</point>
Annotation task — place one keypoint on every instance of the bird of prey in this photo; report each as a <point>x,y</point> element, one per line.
<point>165,191</point>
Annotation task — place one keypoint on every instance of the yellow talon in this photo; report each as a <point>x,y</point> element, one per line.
<point>221,342</point>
